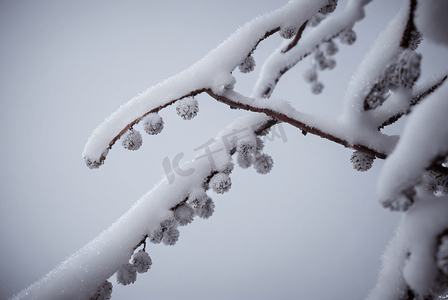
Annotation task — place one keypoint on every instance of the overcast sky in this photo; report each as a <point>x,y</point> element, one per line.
<point>311,229</point>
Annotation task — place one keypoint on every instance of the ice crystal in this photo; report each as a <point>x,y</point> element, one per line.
<point>153,124</point>
<point>132,140</point>
<point>127,274</point>
<point>187,108</point>
<point>361,161</point>
<point>142,261</point>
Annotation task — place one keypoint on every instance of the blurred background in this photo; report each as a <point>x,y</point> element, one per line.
<point>312,228</point>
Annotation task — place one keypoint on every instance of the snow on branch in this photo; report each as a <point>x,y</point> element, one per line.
<point>211,72</point>
<point>287,56</point>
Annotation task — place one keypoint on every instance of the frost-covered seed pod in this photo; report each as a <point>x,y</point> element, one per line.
<point>197,196</point>
<point>142,261</point>
<point>220,183</point>
<point>407,69</point>
<point>127,274</point>
<point>171,236</point>
<point>361,161</point>
<point>317,87</point>
<point>246,147</point>
<point>226,168</point>
<point>330,63</point>
<point>399,203</point>
<point>206,210</point>
<point>153,124</point>
<point>248,65</point>
<point>104,291</point>
<point>132,140</point>
<point>184,214</point>
<point>260,144</point>
<point>319,56</point>
<point>244,161</point>
<point>442,255</point>
<point>263,163</point>
<point>330,48</point>
<point>187,108</point>
<point>329,7</point>
<point>348,37</point>
<point>288,32</point>
<point>157,236</point>
<point>310,75</point>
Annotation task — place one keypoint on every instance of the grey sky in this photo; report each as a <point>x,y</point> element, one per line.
<point>309,229</point>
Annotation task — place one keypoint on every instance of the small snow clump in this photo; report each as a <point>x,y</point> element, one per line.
<point>288,32</point>
<point>310,75</point>
<point>171,236</point>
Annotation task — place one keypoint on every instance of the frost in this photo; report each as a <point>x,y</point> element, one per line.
<point>248,65</point>
<point>104,292</point>
<point>436,182</point>
<point>184,214</point>
<point>187,108</point>
<point>142,261</point>
<point>153,124</point>
<point>263,163</point>
<point>132,140</point>
<point>220,183</point>
<point>126,274</point>
<point>361,161</point>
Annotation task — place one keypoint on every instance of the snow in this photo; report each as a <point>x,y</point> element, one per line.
<point>409,260</point>
<point>424,139</point>
<point>211,72</point>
